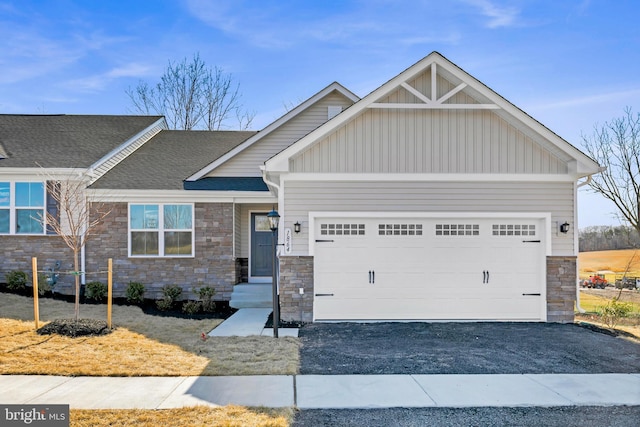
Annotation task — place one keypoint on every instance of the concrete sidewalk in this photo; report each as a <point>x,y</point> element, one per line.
<point>325,391</point>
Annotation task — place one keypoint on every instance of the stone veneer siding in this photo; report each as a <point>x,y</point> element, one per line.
<point>16,252</point>
<point>296,272</point>
<point>213,265</point>
<point>561,288</point>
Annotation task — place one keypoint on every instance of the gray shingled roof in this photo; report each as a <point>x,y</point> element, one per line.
<point>64,141</point>
<point>170,157</point>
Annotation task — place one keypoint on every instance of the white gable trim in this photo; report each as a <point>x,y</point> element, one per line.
<point>280,163</point>
<point>335,86</point>
<point>111,159</point>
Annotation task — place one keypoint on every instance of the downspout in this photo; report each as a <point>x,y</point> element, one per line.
<point>270,183</point>
<point>578,307</point>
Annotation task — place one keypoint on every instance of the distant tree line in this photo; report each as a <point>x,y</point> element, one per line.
<point>604,238</point>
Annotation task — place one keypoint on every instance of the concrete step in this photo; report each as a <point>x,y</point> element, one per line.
<point>251,295</point>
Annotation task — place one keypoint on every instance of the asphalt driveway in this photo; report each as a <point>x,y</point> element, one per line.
<point>463,348</point>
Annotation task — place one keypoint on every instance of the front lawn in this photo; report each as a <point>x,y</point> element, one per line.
<point>141,345</point>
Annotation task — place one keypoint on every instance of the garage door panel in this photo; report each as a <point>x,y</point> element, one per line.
<point>432,269</point>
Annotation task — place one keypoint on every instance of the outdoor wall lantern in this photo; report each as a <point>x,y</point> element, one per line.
<point>296,227</point>
<point>274,218</point>
<point>564,228</point>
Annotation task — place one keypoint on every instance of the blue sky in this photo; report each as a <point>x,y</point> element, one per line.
<point>569,64</point>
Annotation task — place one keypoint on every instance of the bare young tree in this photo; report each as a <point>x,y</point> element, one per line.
<point>616,146</point>
<point>75,220</point>
<point>192,96</point>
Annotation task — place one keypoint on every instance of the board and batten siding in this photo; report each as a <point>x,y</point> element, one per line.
<point>248,161</point>
<point>302,197</point>
<point>430,141</point>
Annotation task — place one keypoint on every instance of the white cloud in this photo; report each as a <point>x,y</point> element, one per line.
<point>595,98</point>
<point>281,25</point>
<point>100,81</point>
<point>27,54</point>
<point>499,16</point>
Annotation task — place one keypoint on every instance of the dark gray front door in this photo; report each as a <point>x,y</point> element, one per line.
<point>261,246</point>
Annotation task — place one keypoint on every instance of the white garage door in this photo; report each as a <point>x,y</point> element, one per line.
<point>429,269</point>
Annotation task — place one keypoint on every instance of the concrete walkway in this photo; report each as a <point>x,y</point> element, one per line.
<point>325,391</point>
<point>247,322</point>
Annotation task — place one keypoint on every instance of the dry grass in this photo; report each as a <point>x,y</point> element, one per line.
<point>617,261</point>
<point>227,416</point>
<point>141,345</point>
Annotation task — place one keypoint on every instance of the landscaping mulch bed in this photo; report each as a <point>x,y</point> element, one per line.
<point>75,328</point>
<point>148,306</point>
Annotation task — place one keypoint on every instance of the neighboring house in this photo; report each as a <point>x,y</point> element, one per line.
<point>38,150</point>
<point>432,198</point>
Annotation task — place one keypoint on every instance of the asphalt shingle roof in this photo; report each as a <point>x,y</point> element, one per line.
<point>165,161</point>
<point>64,141</point>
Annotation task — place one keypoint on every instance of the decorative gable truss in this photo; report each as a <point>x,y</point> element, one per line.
<point>425,94</point>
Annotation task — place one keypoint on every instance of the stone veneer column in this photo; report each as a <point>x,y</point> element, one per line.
<point>296,272</point>
<point>561,288</point>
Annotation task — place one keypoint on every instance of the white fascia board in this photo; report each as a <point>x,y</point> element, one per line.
<point>180,196</point>
<point>430,177</point>
<point>273,126</point>
<point>315,215</point>
<point>41,174</point>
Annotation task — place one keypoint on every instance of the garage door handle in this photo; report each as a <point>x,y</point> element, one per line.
<point>530,295</point>
<point>323,241</point>
<point>531,241</point>
<point>485,276</point>
<point>324,295</point>
<point>372,276</point>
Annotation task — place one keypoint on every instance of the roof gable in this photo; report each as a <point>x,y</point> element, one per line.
<point>68,141</point>
<point>435,84</point>
<point>273,127</point>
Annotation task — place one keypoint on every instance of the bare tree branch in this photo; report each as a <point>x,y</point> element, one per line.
<point>616,146</point>
<point>192,96</point>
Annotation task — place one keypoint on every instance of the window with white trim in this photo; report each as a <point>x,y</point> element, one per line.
<point>161,230</point>
<point>22,207</point>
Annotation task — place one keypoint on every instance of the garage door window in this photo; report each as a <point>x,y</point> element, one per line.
<point>514,230</point>
<point>400,229</point>
<point>342,229</point>
<point>457,229</point>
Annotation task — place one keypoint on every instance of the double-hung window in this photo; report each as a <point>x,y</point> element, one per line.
<point>22,207</point>
<point>161,230</point>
